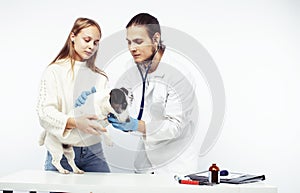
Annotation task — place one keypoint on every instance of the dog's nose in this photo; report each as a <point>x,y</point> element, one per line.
<point>128,119</point>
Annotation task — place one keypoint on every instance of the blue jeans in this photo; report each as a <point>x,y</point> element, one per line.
<point>88,159</point>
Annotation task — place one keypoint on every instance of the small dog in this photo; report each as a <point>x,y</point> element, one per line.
<point>115,103</point>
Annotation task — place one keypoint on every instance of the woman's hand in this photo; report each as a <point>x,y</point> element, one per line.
<point>87,124</point>
<point>82,98</point>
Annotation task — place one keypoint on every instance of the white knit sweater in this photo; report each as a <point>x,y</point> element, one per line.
<point>59,88</point>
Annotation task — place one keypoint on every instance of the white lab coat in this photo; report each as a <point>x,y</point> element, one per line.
<point>170,114</point>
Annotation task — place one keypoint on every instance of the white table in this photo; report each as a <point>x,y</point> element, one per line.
<point>33,180</point>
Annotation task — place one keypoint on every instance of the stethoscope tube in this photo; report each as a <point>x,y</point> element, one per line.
<point>144,78</point>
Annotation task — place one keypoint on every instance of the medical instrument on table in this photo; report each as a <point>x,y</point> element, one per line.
<point>222,173</point>
<point>214,174</point>
<point>190,182</point>
<point>229,177</point>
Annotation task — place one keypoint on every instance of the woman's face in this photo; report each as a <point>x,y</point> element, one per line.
<point>140,44</point>
<point>86,43</point>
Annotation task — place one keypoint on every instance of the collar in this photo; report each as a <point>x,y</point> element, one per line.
<point>165,59</point>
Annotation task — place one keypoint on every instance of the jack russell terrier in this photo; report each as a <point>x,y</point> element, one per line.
<point>116,103</point>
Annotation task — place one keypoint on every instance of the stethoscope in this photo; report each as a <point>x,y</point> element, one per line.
<point>144,78</point>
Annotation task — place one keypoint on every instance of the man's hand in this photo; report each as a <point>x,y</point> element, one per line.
<point>132,125</point>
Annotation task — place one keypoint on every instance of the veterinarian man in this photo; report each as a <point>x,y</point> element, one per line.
<point>164,106</point>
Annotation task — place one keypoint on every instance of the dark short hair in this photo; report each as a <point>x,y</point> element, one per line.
<point>147,20</point>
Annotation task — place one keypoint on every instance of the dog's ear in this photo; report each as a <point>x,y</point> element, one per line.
<point>110,96</point>
<point>112,93</point>
<point>124,90</point>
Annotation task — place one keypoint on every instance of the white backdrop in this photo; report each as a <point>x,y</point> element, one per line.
<point>255,45</point>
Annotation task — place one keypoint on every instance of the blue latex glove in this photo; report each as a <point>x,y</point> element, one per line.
<point>82,98</point>
<point>132,125</point>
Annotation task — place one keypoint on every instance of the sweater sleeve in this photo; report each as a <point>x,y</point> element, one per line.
<point>48,107</point>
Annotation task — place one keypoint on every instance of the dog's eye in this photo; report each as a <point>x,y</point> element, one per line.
<point>124,105</point>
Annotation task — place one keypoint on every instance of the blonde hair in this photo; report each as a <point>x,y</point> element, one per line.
<point>68,51</point>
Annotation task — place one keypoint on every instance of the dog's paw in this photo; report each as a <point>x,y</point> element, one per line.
<point>63,171</point>
<point>78,171</point>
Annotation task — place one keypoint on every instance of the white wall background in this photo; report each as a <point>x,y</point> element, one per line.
<point>255,45</point>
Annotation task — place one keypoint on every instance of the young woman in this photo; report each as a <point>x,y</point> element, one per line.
<point>71,72</point>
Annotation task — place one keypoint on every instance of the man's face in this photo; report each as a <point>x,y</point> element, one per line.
<point>140,44</point>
